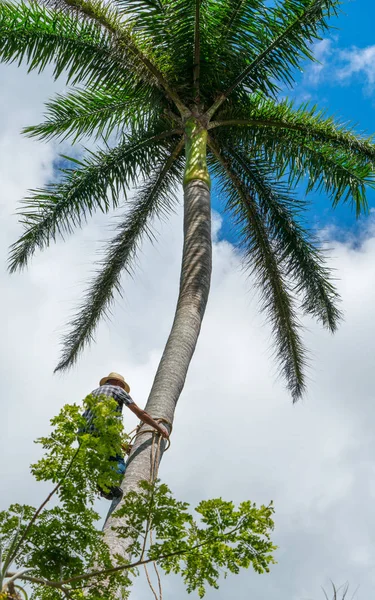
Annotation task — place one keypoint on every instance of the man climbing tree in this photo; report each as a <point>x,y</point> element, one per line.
<point>114,386</point>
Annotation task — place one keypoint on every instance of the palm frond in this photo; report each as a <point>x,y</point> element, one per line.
<point>305,122</point>
<point>147,18</point>
<point>234,17</point>
<point>154,199</point>
<point>32,34</point>
<point>137,55</point>
<point>172,30</point>
<point>342,175</point>
<point>298,249</point>
<point>100,110</point>
<point>103,13</point>
<point>285,36</point>
<point>264,263</point>
<point>60,207</point>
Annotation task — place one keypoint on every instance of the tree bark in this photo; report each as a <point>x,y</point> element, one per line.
<point>193,294</point>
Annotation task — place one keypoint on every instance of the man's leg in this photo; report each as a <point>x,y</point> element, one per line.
<point>115,491</point>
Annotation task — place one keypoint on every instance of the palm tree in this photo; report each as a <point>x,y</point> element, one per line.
<point>179,91</point>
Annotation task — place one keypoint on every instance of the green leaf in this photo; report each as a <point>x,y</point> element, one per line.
<point>306,123</point>
<point>155,198</point>
<point>98,111</point>
<point>262,261</point>
<point>60,207</point>
<point>288,31</point>
<point>297,248</point>
<point>33,34</point>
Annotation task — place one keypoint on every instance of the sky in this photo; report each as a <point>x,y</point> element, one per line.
<point>237,434</point>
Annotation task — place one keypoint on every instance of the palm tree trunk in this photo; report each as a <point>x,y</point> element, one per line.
<point>194,289</point>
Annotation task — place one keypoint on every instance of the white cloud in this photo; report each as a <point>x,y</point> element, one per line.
<point>358,61</point>
<point>236,432</point>
<point>314,73</point>
<point>338,66</point>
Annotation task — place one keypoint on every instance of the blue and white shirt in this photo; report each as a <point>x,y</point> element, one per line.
<point>111,391</point>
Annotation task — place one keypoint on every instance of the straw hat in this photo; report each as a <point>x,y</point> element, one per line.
<point>104,380</point>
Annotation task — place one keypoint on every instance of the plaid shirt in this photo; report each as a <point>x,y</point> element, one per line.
<point>111,391</point>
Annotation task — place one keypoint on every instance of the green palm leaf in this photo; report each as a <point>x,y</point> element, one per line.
<point>285,39</point>
<point>297,249</point>
<point>60,207</point>
<point>342,176</point>
<point>304,123</point>
<point>271,279</point>
<point>98,111</point>
<point>341,168</point>
<point>154,199</point>
<point>37,36</point>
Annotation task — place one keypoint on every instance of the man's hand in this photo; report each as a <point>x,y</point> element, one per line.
<point>146,418</point>
<point>163,432</point>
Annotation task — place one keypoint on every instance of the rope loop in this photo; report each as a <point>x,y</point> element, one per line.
<point>139,431</point>
<point>154,460</point>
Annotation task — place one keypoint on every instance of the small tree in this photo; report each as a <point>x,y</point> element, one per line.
<point>60,552</point>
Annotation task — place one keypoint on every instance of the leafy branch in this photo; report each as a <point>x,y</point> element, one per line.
<point>58,548</point>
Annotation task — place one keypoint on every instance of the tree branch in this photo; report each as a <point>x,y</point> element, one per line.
<point>38,580</point>
<point>149,560</point>
<point>62,584</point>
<point>39,510</point>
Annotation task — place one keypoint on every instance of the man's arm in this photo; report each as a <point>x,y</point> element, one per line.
<point>146,418</point>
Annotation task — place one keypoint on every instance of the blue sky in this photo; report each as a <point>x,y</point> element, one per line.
<point>336,86</point>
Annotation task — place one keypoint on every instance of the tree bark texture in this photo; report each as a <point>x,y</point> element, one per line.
<point>193,294</point>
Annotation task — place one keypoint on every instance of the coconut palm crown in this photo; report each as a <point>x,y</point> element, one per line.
<point>180,91</point>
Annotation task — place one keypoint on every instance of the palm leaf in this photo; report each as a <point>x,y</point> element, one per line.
<point>97,111</point>
<point>284,38</point>
<point>33,34</point>
<point>138,56</point>
<point>341,174</point>
<point>299,251</point>
<point>304,123</point>
<point>263,262</point>
<point>154,199</point>
<point>60,207</point>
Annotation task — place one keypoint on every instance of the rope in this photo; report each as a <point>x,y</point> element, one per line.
<point>139,431</point>
<point>155,460</point>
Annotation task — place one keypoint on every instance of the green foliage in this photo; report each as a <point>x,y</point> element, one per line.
<point>222,539</point>
<point>84,465</point>
<point>282,254</point>
<point>284,38</point>
<point>33,34</point>
<point>99,111</point>
<point>154,199</point>
<point>60,207</point>
<point>263,258</point>
<point>64,540</point>
<point>145,69</point>
<point>60,550</point>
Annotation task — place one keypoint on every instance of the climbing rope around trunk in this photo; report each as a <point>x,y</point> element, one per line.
<point>154,468</point>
